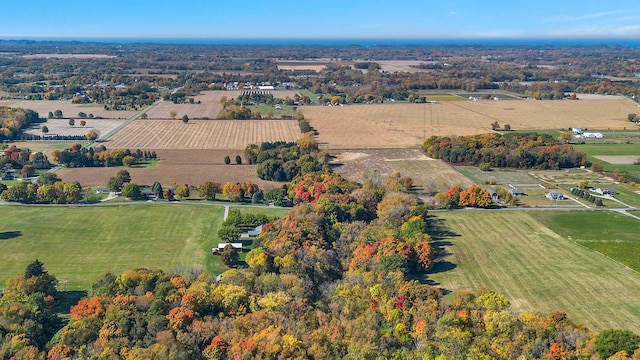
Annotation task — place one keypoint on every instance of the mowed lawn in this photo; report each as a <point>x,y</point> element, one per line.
<point>78,244</point>
<point>536,269</point>
<point>612,234</point>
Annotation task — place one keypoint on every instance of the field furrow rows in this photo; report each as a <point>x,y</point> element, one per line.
<point>202,134</point>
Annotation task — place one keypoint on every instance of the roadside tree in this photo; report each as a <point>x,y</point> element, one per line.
<point>114,184</point>
<point>182,191</point>
<point>229,256</point>
<point>131,190</point>
<point>209,189</point>
<point>128,161</point>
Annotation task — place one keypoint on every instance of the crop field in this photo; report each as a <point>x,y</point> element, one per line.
<point>429,175</point>
<point>62,127</point>
<point>216,95</point>
<point>402,65</point>
<point>406,125</point>
<point>69,110</point>
<point>202,134</point>
<point>192,167</point>
<point>208,108</point>
<point>205,110</point>
<point>78,244</point>
<point>282,94</point>
<point>316,66</point>
<point>535,268</point>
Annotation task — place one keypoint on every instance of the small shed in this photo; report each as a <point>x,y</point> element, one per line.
<point>493,193</point>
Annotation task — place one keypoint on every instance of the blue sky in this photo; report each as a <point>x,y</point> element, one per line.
<point>302,19</point>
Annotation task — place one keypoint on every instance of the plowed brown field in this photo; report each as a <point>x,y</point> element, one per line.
<point>202,134</point>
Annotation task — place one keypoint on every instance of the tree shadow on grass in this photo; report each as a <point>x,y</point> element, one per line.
<point>7,235</point>
<point>441,236</point>
<point>66,299</point>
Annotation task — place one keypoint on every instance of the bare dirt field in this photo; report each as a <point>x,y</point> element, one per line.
<point>205,110</point>
<point>192,167</point>
<point>429,175</point>
<point>202,134</point>
<point>406,125</point>
<point>401,65</point>
<point>208,108</point>
<point>282,94</point>
<point>302,65</point>
<point>216,95</point>
<point>619,159</point>
<point>61,127</point>
<point>69,110</point>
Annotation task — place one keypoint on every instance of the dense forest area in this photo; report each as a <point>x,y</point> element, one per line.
<point>519,151</point>
<point>134,75</point>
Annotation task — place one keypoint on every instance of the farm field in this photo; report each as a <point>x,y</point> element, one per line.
<point>429,175</point>
<point>78,244</point>
<point>192,167</point>
<point>69,110</point>
<point>406,125</point>
<point>612,234</point>
<point>202,134</point>
<point>62,127</point>
<point>316,66</point>
<point>205,110</point>
<point>517,255</point>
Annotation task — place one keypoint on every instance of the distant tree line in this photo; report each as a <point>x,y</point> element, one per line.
<point>521,151</point>
<point>36,137</point>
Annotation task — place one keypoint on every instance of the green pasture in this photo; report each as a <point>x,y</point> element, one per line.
<point>554,133</point>
<point>502,177</point>
<point>612,234</point>
<point>519,255</point>
<point>264,109</point>
<point>445,97</point>
<point>78,244</point>
<point>608,149</point>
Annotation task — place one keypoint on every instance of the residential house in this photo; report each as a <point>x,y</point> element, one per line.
<point>493,193</point>
<point>217,251</point>
<point>255,232</point>
<point>517,192</point>
<point>555,195</point>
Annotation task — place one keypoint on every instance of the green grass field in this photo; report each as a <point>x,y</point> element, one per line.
<point>77,244</point>
<point>612,234</point>
<point>535,268</point>
<point>444,97</point>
